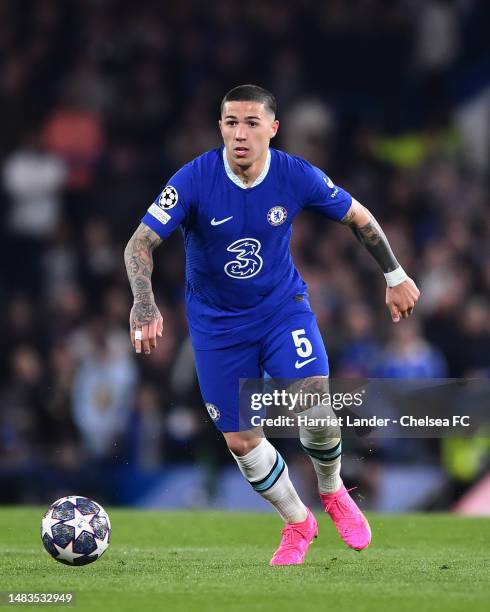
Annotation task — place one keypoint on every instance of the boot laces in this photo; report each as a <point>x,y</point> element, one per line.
<point>288,535</point>
<point>343,506</point>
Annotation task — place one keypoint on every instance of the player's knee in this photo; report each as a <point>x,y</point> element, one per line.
<point>241,445</point>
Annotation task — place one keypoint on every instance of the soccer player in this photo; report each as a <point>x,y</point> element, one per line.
<point>247,305</point>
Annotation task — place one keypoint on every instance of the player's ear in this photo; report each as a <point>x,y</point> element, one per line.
<point>274,127</point>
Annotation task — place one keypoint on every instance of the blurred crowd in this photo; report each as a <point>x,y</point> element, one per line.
<point>102,100</point>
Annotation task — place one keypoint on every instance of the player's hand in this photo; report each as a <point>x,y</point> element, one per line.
<point>401,299</point>
<point>145,324</point>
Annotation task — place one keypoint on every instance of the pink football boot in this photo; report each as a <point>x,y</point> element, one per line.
<point>350,522</point>
<point>296,538</point>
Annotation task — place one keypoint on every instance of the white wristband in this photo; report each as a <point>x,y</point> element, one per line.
<point>397,276</point>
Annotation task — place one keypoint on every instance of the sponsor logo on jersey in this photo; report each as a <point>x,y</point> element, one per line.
<point>213,411</point>
<point>159,214</point>
<point>247,262</point>
<point>168,198</point>
<point>277,215</point>
<point>329,181</point>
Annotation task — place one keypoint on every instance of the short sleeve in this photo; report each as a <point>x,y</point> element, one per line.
<point>172,206</point>
<point>321,194</point>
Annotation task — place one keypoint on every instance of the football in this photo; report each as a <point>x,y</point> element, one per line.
<point>75,530</point>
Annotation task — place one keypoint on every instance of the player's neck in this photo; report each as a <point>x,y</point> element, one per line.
<point>248,175</point>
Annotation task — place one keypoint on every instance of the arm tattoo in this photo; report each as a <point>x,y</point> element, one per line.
<point>138,257</point>
<point>374,239</point>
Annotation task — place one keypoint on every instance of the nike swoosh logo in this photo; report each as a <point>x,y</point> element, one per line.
<point>300,364</point>
<point>214,222</point>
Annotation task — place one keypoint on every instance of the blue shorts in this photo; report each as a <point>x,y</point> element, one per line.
<point>292,348</point>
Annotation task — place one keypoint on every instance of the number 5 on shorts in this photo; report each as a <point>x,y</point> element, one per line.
<point>302,344</point>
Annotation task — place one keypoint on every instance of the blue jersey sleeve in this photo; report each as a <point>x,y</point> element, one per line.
<point>321,194</point>
<point>173,205</point>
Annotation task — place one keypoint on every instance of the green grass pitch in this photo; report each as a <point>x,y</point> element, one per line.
<point>217,561</point>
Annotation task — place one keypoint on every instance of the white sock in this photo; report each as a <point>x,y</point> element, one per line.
<point>324,447</point>
<point>327,473</point>
<point>267,472</point>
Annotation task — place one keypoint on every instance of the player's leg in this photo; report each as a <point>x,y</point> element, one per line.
<point>295,347</point>
<point>263,466</point>
<point>324,446</point>
<point>320,438</point>
<point>294,350</point>
<point>219,371</point>
<point>266,471</point>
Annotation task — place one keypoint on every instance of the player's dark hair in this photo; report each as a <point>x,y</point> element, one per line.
<point>251,93</point>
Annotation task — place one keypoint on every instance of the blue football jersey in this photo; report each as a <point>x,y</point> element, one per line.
<point>239,270</point>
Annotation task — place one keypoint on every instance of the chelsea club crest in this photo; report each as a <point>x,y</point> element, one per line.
<point>277,215</point>
<point>213,411</point>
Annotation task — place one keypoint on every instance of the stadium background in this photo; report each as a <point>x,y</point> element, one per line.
<point>101,101</point>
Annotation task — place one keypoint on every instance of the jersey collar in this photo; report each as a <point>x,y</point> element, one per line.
<point>233,177</point>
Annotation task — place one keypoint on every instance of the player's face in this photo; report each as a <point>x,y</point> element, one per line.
<point>247,128</point>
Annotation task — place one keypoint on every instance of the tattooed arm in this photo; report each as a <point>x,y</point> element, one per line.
<point>402,293</point>
<point>145,316</point>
